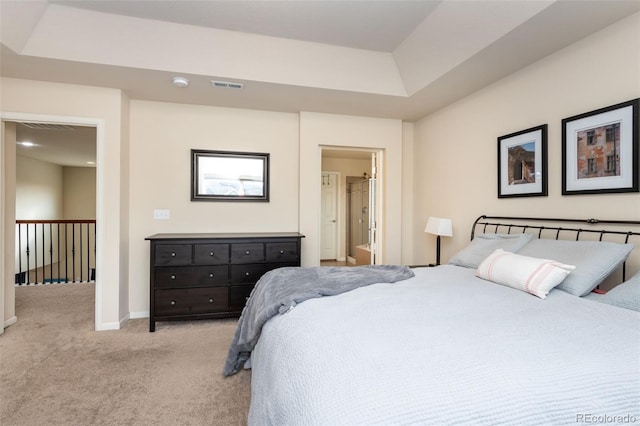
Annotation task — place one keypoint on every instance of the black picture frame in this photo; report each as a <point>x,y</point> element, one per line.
<point>600,150</point>
<point>522,163</point>
<point>229,176</point>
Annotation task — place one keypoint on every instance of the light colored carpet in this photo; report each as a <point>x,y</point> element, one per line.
<point>55,370</point>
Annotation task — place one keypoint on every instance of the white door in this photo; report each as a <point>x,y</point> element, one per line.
<point>329,216</point>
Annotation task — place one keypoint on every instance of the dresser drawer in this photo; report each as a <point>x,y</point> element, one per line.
<point>238,295</point>
<point>191,301</point>
<point>190,276</point>
<point>281,252</point>
<point>172,254</point>
<point>247,252</point>
<point>247,273</point>
<point>210,254</point>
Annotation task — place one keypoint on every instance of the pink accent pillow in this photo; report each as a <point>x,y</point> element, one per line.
<point>530,274</point>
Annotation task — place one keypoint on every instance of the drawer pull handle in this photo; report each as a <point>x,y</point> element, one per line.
<point>246,274</point>
<point>173,254</point>
<point>173,277</point>
<point>210,275</point>
<point>211,300</point>
<point>211,254</point>
<point>281,251</point>
<point>248,252</point>
<point>172,303</point>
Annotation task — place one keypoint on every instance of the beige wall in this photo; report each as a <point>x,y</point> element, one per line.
<point>408,194</point>
<point>39,189</point>
<point>328,130</point>
<point>346,167</point>
<point>455,148</point>
<point>101,107</point>
<point>79,199</point>
<point>162,136</point>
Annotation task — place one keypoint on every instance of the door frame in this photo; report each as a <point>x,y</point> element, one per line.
<point>99,125</point>
<point>380,199</point>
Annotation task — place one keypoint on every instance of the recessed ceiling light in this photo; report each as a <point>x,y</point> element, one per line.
<point>26,143</point>
<point>180,82</point>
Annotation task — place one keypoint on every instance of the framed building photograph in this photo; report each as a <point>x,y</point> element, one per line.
<point>600,150</point>
<point>229,176</point>
<point>522,163</point>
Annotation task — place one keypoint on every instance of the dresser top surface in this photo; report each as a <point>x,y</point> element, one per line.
<point>230,235</point>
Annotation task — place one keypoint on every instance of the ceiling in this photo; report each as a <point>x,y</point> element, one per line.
<point>400,59</point>
<point>372,25</point>
<point>73,146</point>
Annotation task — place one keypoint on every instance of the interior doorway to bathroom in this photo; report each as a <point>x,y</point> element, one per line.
<point>353,175</point>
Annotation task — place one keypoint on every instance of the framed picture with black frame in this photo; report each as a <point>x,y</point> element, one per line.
<point>522,163</point>
<point>600,150</point>
<point>229,176</point>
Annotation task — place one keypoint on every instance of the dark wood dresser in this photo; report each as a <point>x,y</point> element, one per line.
<point>199,276</point>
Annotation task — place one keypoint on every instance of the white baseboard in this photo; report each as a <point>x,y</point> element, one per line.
<point>123,321</point>
<point>341,259</point>
<point>10,321</point>
<point>107,326</point>
<point>138,315</point>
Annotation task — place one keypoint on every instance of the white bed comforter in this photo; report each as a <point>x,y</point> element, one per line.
<point>447,348</point>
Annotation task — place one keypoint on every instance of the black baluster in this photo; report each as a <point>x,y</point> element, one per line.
<point>66,252</point>
<point>28,252</point>
<point>88,254</point>
<point>35,250</point>
<point>80,228</point>
<point>59,280</point>
<point>73,251</point>
<point>95,243</point>
<point>20,254</point>
<point>51,251</point>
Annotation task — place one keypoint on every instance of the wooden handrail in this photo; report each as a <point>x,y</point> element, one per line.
<point>57,221</point>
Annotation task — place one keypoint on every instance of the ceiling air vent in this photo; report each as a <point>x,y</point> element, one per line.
<point>227,84</point>
<point>47,126</point>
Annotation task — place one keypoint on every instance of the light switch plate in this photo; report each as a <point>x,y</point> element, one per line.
<point>161,214</point>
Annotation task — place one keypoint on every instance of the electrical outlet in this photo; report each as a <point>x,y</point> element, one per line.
<point>161,214</point>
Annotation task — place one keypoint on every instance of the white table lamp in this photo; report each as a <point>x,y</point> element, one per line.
<point>440,227</point>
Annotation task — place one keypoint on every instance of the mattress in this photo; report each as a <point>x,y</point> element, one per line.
<point>446,347</point>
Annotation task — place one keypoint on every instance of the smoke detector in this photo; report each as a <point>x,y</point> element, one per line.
<point>180,82</point>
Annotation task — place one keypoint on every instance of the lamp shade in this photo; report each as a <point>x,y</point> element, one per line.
<point>439,226</point>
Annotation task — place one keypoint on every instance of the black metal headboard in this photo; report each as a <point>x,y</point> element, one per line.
<point>503,224</point>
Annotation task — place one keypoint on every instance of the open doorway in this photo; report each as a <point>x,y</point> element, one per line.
<point>349,190</point>
<point>53,202</point>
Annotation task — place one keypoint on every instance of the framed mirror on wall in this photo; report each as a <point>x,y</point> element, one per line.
<point>229,176</point>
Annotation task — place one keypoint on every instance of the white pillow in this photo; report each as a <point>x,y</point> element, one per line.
<point>533,275</point>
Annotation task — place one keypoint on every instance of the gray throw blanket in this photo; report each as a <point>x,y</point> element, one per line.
<point>281,289</point>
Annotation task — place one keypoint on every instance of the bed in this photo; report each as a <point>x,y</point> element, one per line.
<point>448,347</point>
